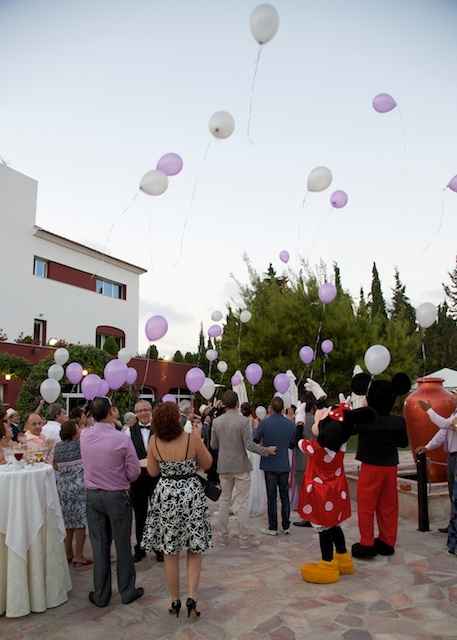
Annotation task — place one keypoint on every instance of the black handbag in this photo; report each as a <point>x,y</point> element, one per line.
<point>211,489</point>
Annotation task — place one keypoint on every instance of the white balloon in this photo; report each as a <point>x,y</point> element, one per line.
<point>426,315</point>
<point>154,183</point>
<point>61,356</point>
<point>211,355</point>
<point>216,316</point>
<point>56,372</point>
<point>222,366</point>
<point>264,23</point>
<point>377,359</point>
<point>261,413</point>
<point>124,356</point>
<point>50,390</point>
<point>208,389</point>
<point>319,179</point>
<point>245,316</point>
<point>221,124</point>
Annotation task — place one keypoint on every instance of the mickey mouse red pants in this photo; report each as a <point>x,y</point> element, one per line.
<point>377,494</point>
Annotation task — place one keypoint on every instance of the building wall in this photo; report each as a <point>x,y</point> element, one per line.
<point>71,312</point>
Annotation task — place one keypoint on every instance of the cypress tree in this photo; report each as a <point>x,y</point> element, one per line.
<point>451,291</point>
<point>377,302</point>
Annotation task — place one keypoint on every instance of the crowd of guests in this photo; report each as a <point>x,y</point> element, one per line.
<point>154,466</point>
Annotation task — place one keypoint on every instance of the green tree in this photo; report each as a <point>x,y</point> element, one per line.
<point>110,346</point>
<point>191,358</point>
<point>153,352</point>
<point>178,356</point>
<point>450,289</point>
<point>377,302</point>
<point>440,341</point>
<point>402,309</point>
<point>201,346</point>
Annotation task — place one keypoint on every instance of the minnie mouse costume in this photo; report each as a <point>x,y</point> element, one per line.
<point>324,498</point>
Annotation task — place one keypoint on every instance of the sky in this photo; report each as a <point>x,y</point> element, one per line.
<point>92,94</point>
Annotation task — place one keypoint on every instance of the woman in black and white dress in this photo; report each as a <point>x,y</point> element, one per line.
<point>178,518</point>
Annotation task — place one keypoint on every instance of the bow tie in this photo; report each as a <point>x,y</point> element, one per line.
<point>145,426</point>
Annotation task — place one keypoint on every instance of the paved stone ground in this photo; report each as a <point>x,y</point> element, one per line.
<point>259,595</point>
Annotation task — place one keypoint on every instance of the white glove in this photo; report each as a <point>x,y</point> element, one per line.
<point>300,413</point>
<point>342,398</point>
<point>358,401</point>
<point>315,389</point>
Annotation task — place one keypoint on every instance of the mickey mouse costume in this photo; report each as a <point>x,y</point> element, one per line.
<point>377,450</point>
<point>324,498</point>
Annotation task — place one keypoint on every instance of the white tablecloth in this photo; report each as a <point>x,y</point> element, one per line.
<point>34,573</point>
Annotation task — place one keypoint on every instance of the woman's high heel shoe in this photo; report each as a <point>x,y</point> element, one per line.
<point>175,608</point>
<point>191,605</point>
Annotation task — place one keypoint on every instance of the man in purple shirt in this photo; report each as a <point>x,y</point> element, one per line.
<point>110,465</point>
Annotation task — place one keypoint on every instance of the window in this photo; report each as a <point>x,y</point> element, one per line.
<point>110,289</point>
<point>102,332</point>
<point>39,332</point>
<point>100,341</point>
<point>40,268</point>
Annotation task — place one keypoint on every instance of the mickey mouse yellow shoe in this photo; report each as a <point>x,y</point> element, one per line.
<point>322,572</point>
<point>344,563</point>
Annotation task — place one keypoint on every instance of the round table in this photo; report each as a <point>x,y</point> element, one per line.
<point>34,573</point>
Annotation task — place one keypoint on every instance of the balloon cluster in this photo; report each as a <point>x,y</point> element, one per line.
<point>50,388</point>
<point>155,182</point>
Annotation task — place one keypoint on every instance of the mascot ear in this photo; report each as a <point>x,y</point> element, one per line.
<point>401,384</point>
<point>360,384</point>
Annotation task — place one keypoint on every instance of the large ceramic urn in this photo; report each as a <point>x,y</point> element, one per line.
<point>420,427</point>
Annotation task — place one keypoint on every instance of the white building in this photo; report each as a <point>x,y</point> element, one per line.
<point>53,287</point>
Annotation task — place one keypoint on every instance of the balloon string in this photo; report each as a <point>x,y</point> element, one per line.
<point>440,223</point>
<point>3,161</point>
<point>316,347</point>
<point>123,212</point>
<point>191,202</point>
<point>251,98</point>
<point>424,357</point>
<point>239,346</point>
<point>146,369</point>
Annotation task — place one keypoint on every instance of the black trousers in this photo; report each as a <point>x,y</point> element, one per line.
<point>109,516</point>
<point>140,492</point>
<point>277,481</point>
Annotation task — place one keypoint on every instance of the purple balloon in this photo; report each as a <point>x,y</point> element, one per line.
<point>89,386</point>
<point>383,103</point>
<point>339,199</point>
<point>156,328</point>
<point>327,346</point>
<point>116,373</point>
<point>195,379</point>
<point>452,184</point>
<point>254,373</point>
<point>306,355</point>
<point>132,375</point>
<point>327,293</point>
<point>168,397</point>
<point>214,331</point>
<point>284,256</point>
<point>74,372</point>
<point>281,382</point>
<point>236,380</point>
<point>170,164</point>
<point>103,389</point>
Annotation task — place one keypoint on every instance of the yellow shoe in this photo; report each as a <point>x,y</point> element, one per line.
<point>322,572</point>
<point>344,562</point>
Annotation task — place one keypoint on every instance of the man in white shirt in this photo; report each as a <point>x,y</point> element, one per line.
<point>56,418</point>
<point>445,436</point>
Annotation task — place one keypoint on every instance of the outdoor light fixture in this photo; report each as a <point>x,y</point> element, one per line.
<point>8,377</point>
<point>52,342</point>
<point>85,372</point>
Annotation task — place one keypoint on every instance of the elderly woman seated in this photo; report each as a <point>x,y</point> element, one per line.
<point>6,435</point>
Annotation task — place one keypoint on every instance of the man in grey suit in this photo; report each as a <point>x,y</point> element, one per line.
<point>231,435</point>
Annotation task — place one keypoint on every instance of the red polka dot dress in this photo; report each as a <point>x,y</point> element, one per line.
<point>324,497</point>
